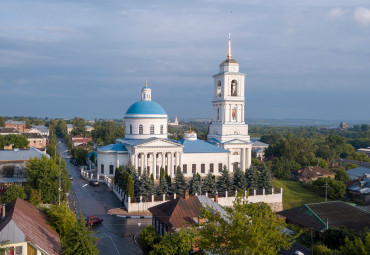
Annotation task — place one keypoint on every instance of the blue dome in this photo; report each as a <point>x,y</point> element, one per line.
<point>146,107</point>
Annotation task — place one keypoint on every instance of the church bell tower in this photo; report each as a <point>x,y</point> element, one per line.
<point>228,103</point>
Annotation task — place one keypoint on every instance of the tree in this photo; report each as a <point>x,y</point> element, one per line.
<point>239,181</point>
<point>323,163</point>
<point>351,166</point>
<point>146,187</point>
<point>118,176</point>
<point>209,184</point>
<point>341,174</point>
<point>130,186</point>
<point>163,186</point>
<point>322,250</point>
<point>195,184</point>
<point>224,181</point>
<point>61,218</point>
<point>2,121</point>
<point>43,175</point>
<point>250,228</point>
<point>80,240</point>
<point>264,180</point>
<point>251,178</point>
<point>13,191</point>
<point>18,141</point>
<point>124,181</point>
<point>35,197</point>
<point>180,183</point>
<point>52,146</point>
<point>336,189</point>
<point>79,126</point>
<point>174,243</point>
<point>281,167</point>
<point>61,128</point>
<point>357,246</point>
<point>149,236</point>
<point>130,169</point>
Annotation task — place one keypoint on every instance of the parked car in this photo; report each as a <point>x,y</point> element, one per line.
<point>70,177</point>
<point>91,220</point>
<point>94,182</point>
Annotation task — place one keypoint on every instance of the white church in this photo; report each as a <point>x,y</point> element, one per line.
<point>147,145</point>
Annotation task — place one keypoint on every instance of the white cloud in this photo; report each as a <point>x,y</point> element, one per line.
<point>336,13</point>
<point>362,16</point>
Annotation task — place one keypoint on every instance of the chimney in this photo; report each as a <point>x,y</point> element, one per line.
<point>186,193</point>
<point>216,197</point>
<point>3,212</point>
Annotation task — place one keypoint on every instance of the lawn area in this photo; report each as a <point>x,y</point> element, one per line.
<point>294,194</point>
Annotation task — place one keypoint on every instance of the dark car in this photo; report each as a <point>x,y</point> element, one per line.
<point>70,177</point>
<point>94,182</point>
<point>91,220</point>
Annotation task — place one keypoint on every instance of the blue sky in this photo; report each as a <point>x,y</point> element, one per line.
<point>303,59</point>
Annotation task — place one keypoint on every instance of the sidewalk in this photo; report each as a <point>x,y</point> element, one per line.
<point>122,212</point>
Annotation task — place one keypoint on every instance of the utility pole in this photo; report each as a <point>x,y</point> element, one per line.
<point>326,191</point>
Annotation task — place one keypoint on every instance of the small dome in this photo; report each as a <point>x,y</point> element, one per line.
<point>229,61</point>
<point>146,107</point>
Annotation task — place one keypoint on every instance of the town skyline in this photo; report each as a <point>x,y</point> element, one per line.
<point>304,60</point>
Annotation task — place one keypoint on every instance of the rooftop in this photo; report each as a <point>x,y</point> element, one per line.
<point>5,130</point>
<point>118,147</point>
<point>32,223</point>
<point>15,122</point>
<point>33,136</point>
<point>22,155</point>
<point>338,214</point>
<point>146,107</point>
<point>355,173</point>
<point>200,146</point>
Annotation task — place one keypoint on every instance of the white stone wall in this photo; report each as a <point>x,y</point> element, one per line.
<point>110,158</point>
<point>146,122</point>
<point>203,158</point>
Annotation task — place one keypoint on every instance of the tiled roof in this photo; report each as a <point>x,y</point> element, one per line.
<point>15,122</point>
<point>118,147</point>
<point>259,144</point>
<point>21,154</point>
<point>180,212</point>
<point>313,172</point>
<point>8,130</point>
<point>32,135</point>
<point>339,214</point>
<point>200,146</point>
<point>355,173</point>
<point>33,223</point>
<point>43,129</point>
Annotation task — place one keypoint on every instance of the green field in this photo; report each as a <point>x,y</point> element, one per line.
<point>294,194</point>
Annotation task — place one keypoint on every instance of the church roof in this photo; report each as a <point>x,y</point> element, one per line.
<point>199,146</point>
<point>118,147</point>
<point>146,107</point>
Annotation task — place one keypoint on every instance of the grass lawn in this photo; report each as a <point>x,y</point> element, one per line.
<point>294,194</point>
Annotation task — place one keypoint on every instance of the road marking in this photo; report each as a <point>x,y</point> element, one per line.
<point>114,244</point>
<point>84,185</point>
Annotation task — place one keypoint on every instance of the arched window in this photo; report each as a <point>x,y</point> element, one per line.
<point>233,113</point>
<point>130,129</point>
<point>234,88</point>
<point>152,129</point>
<point>218,88</point>
<point>161,129</point>
<point>140,129</point>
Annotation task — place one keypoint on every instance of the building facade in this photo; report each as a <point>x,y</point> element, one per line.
<point>147,146</point>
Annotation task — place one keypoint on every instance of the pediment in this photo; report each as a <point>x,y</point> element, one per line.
<point>159,143</point>
<point>236,141</point>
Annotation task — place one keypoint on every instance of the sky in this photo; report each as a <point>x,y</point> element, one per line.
<point>307,59</point>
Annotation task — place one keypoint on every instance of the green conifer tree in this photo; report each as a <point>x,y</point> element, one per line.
<point>124,181</point>
<point>146,187</point>
<point>251,178</point>
<point>169,183</point>
<point>130,186</point>
<point>224,181</point>
<point>195,184</point>
<point>161,174</point>
<point>264,180</point>
<point>239,181</point>
<point>163,186</point>
<point>180,183</point>
<point>209,184</point>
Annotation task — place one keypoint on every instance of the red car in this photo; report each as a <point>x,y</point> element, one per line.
<point>91,220</point>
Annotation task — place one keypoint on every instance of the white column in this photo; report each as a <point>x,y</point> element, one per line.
<point>242,113</point>
<point>180,159</point>
<point>136,163</point>
<point>132,158</point>
<point>171,166</point>
<point>155,165</point>
<point>249,157</point>
<point>163,160</point>
<point>145,158</point>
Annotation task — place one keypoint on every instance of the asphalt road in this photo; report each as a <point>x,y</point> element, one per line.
<point>115,233</point>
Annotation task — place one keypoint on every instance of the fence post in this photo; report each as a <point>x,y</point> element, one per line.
<point>174,195</point>
<point>263,191</point>
<point>226,193</point>
<point>152,198</point>
<point>196,194</point>
<point>245,193</point>
<point>254,192</point>
<point>164,197</point>
<point>207,194</point>
<point>272,191</point>
<point>236,193</point>
<point>128,203</point>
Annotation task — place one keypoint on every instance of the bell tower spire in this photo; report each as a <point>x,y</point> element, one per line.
<point>229,49</point>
